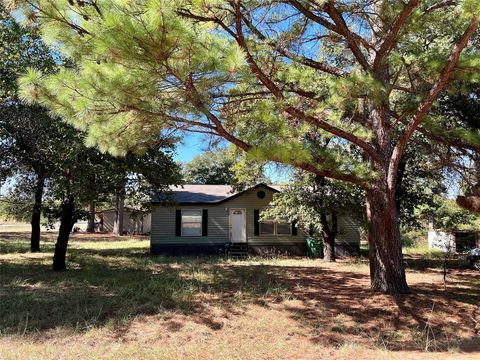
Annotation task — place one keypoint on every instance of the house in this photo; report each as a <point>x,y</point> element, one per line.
<point>456,241</point>
<point>212,218</point>
<point>134,221</point>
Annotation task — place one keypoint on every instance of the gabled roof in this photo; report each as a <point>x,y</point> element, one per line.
<point>203,194</point>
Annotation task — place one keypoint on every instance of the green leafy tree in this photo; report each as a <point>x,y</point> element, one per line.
<point>70,183</point>
<point>136,177</point>
<point>24,129</point>
<point>224,166</point>
<point>247,171</point>
<point>314,203</point>
<point>18,200</point>
<point>447,215</point>
<point>462,108</point>
<point>21,48</point>
<point>268,77</point>
<point>420,177</point>
<point>211,167</point>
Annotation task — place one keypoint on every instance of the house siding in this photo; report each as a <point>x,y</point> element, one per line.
<point>348,232</point>
<point>130,225</point>
<point>163,224</point>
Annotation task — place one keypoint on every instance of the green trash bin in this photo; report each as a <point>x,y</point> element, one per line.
<point>315,247</point>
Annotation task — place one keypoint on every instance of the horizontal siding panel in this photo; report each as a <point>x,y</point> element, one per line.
<point>347,230</point>
<point>163,226</point>
<point>250,201</point>
<point>163,223</point>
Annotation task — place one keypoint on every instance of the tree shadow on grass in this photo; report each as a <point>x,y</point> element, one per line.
<point>111,287</point>
<point>339,306</point>
<point>99,290</point>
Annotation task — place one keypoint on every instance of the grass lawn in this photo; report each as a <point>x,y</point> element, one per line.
<point>118,302</point>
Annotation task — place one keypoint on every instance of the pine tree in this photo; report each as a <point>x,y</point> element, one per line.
<point>269,77</point>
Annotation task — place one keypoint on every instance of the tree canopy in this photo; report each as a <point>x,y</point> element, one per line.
<point>209,168</point>
<point>48,158</point>
<point>463,107</point>
<point>224,166</point>
<point>314,204</point>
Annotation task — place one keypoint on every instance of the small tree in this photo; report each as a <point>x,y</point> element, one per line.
<point>26,131</point>
<point>224,166</point>
<point>315,203</point>
<point>72,178</point>
<point>210,167</point>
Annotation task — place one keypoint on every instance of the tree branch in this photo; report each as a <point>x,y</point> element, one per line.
<point>440,5</point>
<point>326,24</point>
<point>288,54</point>
<point>428,102</point>
<point>277,93</point>
<point>458,143</point>
<point>189,14</point>
<point>351,38</point>
<point>392,37</point>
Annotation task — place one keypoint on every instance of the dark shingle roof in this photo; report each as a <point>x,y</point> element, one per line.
<point>190,194</point>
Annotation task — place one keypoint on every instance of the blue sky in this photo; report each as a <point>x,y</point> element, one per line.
<point>194,144</point>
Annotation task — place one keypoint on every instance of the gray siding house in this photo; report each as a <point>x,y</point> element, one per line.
<point>212,218</point>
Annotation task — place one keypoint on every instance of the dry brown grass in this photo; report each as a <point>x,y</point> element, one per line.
<point>118,302</point>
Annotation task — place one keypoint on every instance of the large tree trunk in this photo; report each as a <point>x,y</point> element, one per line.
<point>387,273</point>
<point>119,212</point>
<point>91,218</point>
<point>36,213</point>
<point>329,233</point>
<point>66,224</point>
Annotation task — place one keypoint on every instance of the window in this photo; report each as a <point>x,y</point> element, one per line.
<point>267,228</point>
<point>275,228</point>
<point>284,228</point>
<point>191,222</point>
<point>261,194</point>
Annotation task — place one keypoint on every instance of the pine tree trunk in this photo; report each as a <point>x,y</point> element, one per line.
<point>387,273</point>
<point>36,214</point>
<point>91,218</point>
<point>66,225</point>
<point>119,212</point>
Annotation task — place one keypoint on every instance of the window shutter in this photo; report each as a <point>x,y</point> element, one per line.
<point>294,227</point>
<point>256,219</point>
<point>178,222</point>
<point>204,222</point>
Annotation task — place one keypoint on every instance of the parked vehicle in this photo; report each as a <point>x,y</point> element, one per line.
<point>473,255</point>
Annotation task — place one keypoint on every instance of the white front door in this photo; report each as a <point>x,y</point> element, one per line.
<point>238,225</point>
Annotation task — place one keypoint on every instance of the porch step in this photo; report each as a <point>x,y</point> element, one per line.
<point>237,251</point>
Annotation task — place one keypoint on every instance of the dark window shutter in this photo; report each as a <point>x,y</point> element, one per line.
<point>204,222</point>
<point>256,219</point>
<point>178,222</point>
<point>294,227</point>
